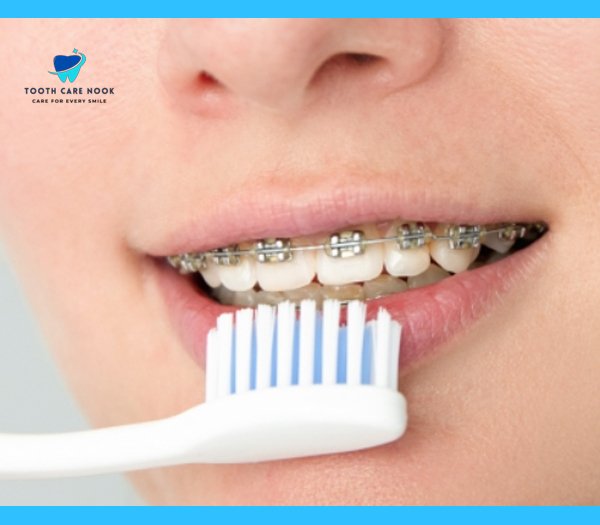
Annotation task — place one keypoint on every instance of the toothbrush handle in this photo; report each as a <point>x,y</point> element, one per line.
<point>118,448</point>
<point>258,425</point>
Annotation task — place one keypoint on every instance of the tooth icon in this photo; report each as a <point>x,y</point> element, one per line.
<point>67,67</point>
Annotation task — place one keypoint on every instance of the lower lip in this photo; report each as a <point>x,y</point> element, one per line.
<point>430,316</point>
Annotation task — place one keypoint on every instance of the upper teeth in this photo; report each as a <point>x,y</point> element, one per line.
<point>354,255</point>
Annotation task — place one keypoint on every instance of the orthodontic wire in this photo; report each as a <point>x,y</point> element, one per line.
<point>409,232</point>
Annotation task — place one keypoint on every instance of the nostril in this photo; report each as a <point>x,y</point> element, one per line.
<point>206,80</point>
<point>360,58</point>
<point>344,65</point>
<point>349,60</point>
<point>202,94</point>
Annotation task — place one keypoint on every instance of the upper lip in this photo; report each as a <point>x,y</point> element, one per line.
<point>258,210</point>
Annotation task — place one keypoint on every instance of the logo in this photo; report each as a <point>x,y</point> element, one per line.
<point>68,67</point>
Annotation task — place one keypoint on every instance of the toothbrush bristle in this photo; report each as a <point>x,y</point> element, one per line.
<point>243,349</point>
<point>264,326</point>
<point>306,355</point>
<point>286,318</point>
<point>356,315</point>
<point>224,361</point>
<point>331,333</point>
<point>269,346</point>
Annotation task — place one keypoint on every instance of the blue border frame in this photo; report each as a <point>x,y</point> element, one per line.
<point>311,8</point>
<point>302,515</point>
<point>306,8</point>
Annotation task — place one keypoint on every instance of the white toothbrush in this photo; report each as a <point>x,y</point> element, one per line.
<point>276,387</point>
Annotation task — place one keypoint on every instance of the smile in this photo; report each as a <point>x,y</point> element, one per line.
<point>435,278</point>
<point>365,262</point>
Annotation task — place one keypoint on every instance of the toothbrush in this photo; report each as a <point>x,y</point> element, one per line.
<point>278,386</point>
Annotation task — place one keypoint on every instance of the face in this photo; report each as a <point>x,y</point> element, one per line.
<point>223,132</point>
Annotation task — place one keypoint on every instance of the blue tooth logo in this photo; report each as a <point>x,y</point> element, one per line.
<point>67,67</point>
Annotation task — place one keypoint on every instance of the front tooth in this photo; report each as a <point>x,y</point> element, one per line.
<point>239,277</point>
<point>347,292</point>
<point>411,261</point>
<point>433,274</point>
<point>211,274</point>
<point>287,275</point>
<point>384,285</point>
<point>457,260</point>
<point>356,268</point>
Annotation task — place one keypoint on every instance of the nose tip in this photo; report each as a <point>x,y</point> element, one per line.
<point>282,65</point>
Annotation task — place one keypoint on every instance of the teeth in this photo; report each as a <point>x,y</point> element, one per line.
<point>457,260</point>
<point>240,277</point>
<point>433,275</point>
<point>311,291</point>
<point>271,298</point>
<point>383,285</point>
<point>295,273</point>
<point>355,268</point>
<point>497,244</point>
<point>211,274</point>
<point>411,261</point>
<point>271,270</point>
<point>224,295</point>
<point>244,298</point>
<point>348,292</point>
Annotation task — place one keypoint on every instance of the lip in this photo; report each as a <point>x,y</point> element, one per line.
<point>263,208</point>
<point>430,316</point>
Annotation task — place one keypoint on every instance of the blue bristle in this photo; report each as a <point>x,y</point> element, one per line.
<point>274,356</point>
<point>367,356</point>
<point>296,353</point>
<point>341,355</point>
<point>318,374</point>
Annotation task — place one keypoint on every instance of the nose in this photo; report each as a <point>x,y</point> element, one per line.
<point>284,64</point>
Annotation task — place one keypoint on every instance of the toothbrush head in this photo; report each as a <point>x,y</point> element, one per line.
<point>285,385</point>
<point>277,387</point>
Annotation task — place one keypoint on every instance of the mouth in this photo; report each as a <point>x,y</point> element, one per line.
<point>434,278</point>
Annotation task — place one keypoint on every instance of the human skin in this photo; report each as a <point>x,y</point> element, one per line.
<point>504,112</point>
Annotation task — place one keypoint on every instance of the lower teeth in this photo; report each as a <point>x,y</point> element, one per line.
<point>378,287</point>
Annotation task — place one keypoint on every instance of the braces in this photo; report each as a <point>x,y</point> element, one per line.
<point>349,243</point>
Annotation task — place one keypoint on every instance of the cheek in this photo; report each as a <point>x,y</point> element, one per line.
<point>61,164</point>
<point>65,192</point>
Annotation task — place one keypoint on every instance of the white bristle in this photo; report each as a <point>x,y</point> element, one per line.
<point>286,316</point>
<point>224,338</point>
<point>259,325</point>
<point>244,320</point>
<point>212,354</point>
<point>264,344</point>
<point>307,342</point>
<point>381,349</point>
<point>394,354</point>
<point>371,327</point>
<point>355,335</point>
<point>329,348</point>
